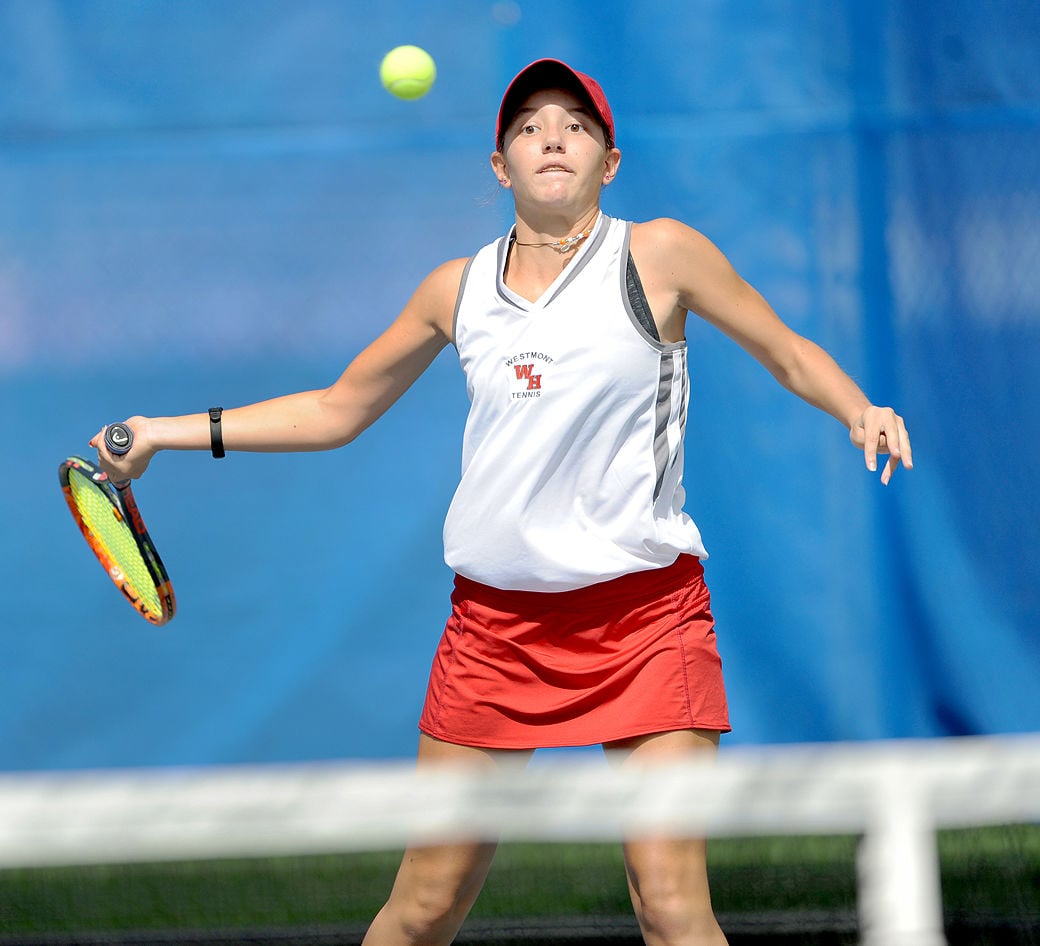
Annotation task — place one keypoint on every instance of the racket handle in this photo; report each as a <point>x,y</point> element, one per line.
<point>119,439</point>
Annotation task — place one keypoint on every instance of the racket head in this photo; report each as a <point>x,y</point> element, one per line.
<point>112,525</point>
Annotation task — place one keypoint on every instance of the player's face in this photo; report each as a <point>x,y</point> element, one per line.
<point>555,148</point>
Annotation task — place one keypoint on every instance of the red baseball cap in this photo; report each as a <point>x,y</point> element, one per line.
<point>549,74</point>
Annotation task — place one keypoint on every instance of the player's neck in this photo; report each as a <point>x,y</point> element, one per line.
<point>533,264</point>
<point>562,235</point>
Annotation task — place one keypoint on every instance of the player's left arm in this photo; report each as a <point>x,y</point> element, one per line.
<point>706,284</point>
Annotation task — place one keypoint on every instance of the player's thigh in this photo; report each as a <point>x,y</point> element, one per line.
<point>434,752</point>
<point>665,867</point>
<point>449,876</point>
<point>665,747</point>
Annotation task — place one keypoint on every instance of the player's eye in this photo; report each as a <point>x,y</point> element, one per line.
<point>529,129</point>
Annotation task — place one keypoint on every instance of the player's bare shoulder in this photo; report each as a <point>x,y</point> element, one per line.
<point>434,301</point>
<point>667,238</point>
<point>660,249</point>
<point>686,261</point>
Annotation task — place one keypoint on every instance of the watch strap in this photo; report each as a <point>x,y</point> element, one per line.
<point>216,435</point>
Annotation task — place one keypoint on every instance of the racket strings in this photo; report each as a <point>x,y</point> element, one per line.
<point>115,541</point>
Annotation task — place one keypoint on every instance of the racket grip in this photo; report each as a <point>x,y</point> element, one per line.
<point>119,439</point>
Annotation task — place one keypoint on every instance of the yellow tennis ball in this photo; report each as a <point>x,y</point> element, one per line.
<point>407,72</point>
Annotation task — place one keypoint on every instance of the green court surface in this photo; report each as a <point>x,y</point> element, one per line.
<point>765,890</point>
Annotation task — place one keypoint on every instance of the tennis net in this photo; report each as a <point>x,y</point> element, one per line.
<point>919,843</point>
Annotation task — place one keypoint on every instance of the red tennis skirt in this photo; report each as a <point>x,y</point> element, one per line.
<point>623,658</point>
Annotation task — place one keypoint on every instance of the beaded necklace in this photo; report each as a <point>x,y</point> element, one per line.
<point>567,243</point>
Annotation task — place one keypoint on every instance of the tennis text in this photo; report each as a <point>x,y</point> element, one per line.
<point>529,380</point>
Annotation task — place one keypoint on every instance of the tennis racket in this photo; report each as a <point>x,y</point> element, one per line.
<point>110,521</point>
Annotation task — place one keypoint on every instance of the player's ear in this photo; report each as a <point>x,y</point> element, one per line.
<point>498,165</point>
<point>611,164</point>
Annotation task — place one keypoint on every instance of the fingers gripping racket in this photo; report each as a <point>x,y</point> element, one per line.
<point>110,521</point>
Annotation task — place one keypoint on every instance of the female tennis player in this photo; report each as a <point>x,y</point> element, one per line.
<point>579,614</point>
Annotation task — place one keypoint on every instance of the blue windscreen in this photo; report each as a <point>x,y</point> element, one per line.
<point>207,204</point>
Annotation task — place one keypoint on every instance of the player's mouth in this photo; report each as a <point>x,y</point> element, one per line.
<point>558,168</point>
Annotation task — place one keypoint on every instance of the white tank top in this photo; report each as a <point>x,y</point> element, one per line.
<point>572,457</point>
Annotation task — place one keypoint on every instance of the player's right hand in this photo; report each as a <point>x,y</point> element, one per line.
<point>131,465</point>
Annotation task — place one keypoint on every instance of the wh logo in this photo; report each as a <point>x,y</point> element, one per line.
<point>526,373</point>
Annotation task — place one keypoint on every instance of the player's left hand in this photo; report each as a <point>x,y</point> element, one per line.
<point>880,430</point>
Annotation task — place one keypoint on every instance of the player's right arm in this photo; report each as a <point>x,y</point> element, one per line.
<point>321,419</point>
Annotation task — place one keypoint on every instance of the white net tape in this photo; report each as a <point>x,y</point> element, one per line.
<point>895,794</point>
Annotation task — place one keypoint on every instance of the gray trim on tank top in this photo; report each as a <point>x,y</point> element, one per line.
<point>458,301</point>
<point>636,304</point>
